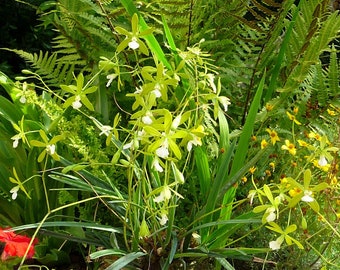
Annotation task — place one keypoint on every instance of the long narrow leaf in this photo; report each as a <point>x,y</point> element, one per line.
<point>225,264</point>
<point>223,222</point>
<point>124,261</point>
<point>219,181</point>
<point>280,57</point>
<point>88,225</point>
<point>170,40</point>
<point>243,145</point>
<point>105,252</point>
<point>172,253</point>
<point>203,170</point>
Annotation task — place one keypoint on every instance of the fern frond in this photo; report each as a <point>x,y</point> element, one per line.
<point>48,66</point>
<point>308,45</point>
<point>106,2</point>
<point>320,90</point>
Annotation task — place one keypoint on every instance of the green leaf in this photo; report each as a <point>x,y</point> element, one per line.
<point>170,40</point>
<point>125,260</point>
<point>106,252</point>
<point>203,170</point>
<point>224,130</point>
<point>88,225</point>
<point>225,264</point>
<point>243,145</point>
<point>9,111</point>
<point>280,58</point>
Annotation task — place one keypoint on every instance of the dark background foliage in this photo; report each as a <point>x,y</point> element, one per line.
<point>19,30</point>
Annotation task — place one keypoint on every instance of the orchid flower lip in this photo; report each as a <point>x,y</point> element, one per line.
<point>76,104</point>
<point>322,161</point>
<point>157,166</point>
<point>275,245</point>
<point>133,44</point>
<point>50,149</point>
<point>162,152</point>
<point>14,192</point>
<point>307,196</point>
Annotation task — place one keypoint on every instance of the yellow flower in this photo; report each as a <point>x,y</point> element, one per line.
<point>295,191</point>
<point>269,107</point>
<point>290,147</point>
<point>331,112</point>
<point>263,144</point>
<point>284,182</point>
<point>320,218</point>
<point>325,168</point>
<point>313,135</point>
<point>302,143</point>
<point>334,182</point>
<point>295,110</point>
<point>273,136</point>
<point>292,118</point>
<point>244,179</point>
<point>272,165</point>
<point>268,173</point>
<point>252,170</point>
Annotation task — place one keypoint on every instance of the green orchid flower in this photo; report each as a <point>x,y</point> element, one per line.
<point>325,157</point>
<point>157,81</point>
<point>79,93</point>
<point>19,185</point>
<point>271,210</point>
<point>304,192</point>
<point>167,133</point>
<point>48,145</point>
<point>21,133</point>
<point>275,245</point>
<point>132,39</point>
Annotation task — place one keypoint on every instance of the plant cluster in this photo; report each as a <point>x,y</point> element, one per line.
<point>137,148</point>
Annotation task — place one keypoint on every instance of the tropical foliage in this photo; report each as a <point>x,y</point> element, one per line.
<point>176,135</point>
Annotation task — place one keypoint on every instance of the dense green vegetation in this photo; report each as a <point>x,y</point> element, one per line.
<point>172,135</point>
